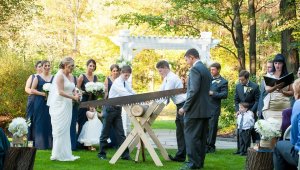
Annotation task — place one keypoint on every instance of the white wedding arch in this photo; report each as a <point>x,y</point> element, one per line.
<point>132,45</point>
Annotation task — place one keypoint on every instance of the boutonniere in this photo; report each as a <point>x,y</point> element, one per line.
<point>249,89</point>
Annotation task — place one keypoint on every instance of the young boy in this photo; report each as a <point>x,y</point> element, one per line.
<point>112,116</point>
<point>245,122</point>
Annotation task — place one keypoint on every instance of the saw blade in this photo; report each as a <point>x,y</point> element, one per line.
<point>133,99</point>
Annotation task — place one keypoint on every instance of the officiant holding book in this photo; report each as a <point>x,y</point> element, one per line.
<point>278,97</point>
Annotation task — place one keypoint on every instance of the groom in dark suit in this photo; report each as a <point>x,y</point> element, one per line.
<point>195,110</point>
<point>246,91</point>
<point>218,91</point>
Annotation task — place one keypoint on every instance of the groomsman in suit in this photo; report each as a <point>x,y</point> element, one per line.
<point>246,91</point>
<point>195,110</point>
<point>172,81</point>
<point>218,91</point>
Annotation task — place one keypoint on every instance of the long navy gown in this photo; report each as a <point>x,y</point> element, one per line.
<point>4,145</point>
<point>29,112</point>
<point>41,119</point>
<point>73,123</point>
<point>82,111</point>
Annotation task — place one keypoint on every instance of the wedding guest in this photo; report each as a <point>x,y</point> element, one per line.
<point>91,130</point>
<point>81,82</point>
<point>245,122</point>
<point>4,146</point>
<point>195,110</point>
<point>263,92</point>
<point>278,97</point>
<point>172,81</point>
<point>285,155</point>
<point>112,115</point>
<point>246,91</point>
<point>218,91</point>
<point>60,102</point>
<point>41,118</point>
<point>30,99</point>
<point>114,74</point>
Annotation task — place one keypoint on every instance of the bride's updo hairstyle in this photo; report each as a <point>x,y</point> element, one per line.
<point>65,61</point>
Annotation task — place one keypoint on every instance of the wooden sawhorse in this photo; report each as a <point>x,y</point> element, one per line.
<point>141,126</point>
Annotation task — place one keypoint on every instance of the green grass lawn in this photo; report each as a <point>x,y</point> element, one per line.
<point>222,159</point>
<point>164,124</point>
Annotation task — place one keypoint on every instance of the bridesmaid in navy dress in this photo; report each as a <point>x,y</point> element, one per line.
<point>30,101</point>
<point>73,122</point>
<point>82,80</point>
<point>41,118</point>
<point>115,72</point>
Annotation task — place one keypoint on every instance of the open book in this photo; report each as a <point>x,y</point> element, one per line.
<point>288,79</point>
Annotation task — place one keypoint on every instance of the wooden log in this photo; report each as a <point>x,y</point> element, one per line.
<point>259,160</point>
<point>19,158</point>
<point>138,110</point>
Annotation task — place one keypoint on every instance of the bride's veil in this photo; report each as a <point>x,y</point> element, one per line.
<point>53,92</point>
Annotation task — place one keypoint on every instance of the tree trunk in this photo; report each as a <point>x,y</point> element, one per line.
<point>252,36</point>
<point>288,12</point>
<point>238,31</point>
<point>259,160</point>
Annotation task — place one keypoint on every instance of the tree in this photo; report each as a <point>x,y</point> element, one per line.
<point>288,13</point>
<point>252,36</point>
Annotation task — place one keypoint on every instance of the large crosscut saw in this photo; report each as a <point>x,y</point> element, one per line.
<point>133,99</point>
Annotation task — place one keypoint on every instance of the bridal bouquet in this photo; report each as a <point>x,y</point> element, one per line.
<point>19,127</point>
<point>46,89</point>
<point>268,129</point>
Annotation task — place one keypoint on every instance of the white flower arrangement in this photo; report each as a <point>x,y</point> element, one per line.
<point>46,87</point>
<point>268,129</point>
<point>92,87</point>
<point>122,62</point>
<point>19,127</point>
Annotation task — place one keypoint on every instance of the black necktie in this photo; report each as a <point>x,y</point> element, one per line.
<point>124,83</point>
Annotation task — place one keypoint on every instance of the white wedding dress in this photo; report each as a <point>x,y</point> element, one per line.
<point>61,114</point>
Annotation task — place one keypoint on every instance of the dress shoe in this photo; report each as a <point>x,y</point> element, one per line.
<point>176,159</point>
<point>186,167</point>
<point>236,153</point>
<point>103,157</point>
<point>128,158</point>
<point>211,150</point>
<point>243,154</point>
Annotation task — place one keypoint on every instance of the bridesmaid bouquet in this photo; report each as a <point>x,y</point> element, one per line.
<point>94,88</point>
<point>19,127</point>
<point>268,129</point>
<point>46,89</point>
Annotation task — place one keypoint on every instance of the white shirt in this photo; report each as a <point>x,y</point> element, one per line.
<point>248,120</point>
<point>195,62</point>
<point>117,89</point>
<point>172,81</point>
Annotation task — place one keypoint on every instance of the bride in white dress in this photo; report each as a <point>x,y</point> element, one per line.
<point>60,102</point>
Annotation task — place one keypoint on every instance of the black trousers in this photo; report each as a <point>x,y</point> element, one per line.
<point>195,133</point>
<point>212,131</point>
<point>244,140</point>
<point>181,153</point>
<point>285,156</point>
<point>112,118</point>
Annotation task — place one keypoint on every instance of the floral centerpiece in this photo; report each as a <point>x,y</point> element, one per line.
<point>94,88</point>
<point>268,130</point>
<point>46,89</point>
<point>19,128</point>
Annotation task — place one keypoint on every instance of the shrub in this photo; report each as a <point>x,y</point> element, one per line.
<point>14,73</point>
